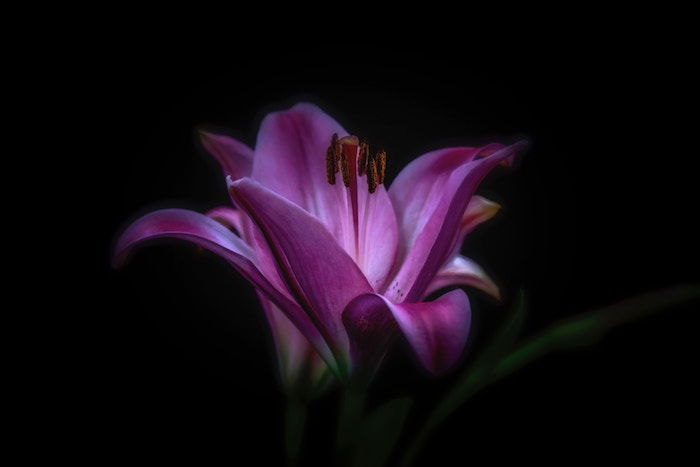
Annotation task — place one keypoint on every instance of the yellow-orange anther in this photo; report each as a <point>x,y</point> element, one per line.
<point>381,166</point>
<point>343,155</point>
<point>372,177</point>
<point>331,165</point>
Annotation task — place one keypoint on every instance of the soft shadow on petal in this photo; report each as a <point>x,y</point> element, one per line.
<point>371,328</point>
<point>430,197</point>
<point>436,331</point>
<point>235,158</point>
<point>321,274</point>
<point>463,271</point>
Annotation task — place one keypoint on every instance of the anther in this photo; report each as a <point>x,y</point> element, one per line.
<point>331,165</point>
<point>381,166</point>
<point>334,145</point>
<point>372,176</point>
<point>353,159</point>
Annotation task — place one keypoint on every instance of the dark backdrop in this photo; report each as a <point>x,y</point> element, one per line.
<point>598,209</point>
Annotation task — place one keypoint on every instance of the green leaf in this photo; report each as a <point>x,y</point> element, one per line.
<point>294,422</point>
<point>499,361</point>
<point>480,372</point>
<point>380,432</point>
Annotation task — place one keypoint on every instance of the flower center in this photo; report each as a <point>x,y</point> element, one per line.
<point>351,157</point>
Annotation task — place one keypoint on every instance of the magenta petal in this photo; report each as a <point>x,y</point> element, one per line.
<point>463,271</point>
<point>300,364</point>
<point>437,331</point>
<point>371,328</point>
<point>379,236</point>
<point>187,225</point>
<point>229,217</point>
<point>430,196</point>
<point>478,211</point>
<point>290,156</point>
<point>290,160</point>
<point>209,234</point>
<point>236,158</point>
<point>316,268</point>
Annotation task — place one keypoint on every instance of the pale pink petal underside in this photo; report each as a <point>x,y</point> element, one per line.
<point>461,271</point>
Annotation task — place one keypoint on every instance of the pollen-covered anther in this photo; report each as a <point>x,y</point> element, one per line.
<point>332,159</point>
<point>331,165</point>
<point>372,176</point>
<point>352,157</point>
<point>381,166</point>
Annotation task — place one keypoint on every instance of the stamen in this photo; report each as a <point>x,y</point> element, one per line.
<point>343,155</point>
<point>362,161</point>
<point>372,176</point>
<point>381,166</point>
<point>331,165</point>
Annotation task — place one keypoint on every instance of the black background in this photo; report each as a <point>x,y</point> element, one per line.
<point>599,208</point>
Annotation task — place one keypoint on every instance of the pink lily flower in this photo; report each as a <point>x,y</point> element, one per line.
<point>341,264</point>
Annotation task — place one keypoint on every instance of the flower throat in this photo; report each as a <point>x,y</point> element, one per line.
<point>352,158</point>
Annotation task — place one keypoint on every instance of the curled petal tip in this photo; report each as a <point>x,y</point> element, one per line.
<point>205,135</point>
<point>513,149</point>
<point>490,208</point>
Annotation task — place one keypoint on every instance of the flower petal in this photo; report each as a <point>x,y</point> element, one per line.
<point>378,235</point>
<point>229,217</point>
<point>371,328</point>
<point>319,272</point>
<point>209,234</point>
<point>236,158</point>
<point>430,196</point>
<point>301,367</point>
<point>478,211</point>
<point>290,160</point>
<point>463,271</point>
<point>437,331</point>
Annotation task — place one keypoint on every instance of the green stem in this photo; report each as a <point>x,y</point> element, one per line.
<point>582,330</point>
<point>294,423</point>
<point>350,416</point>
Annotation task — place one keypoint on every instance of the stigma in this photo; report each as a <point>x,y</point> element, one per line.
<point>352,158</point>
